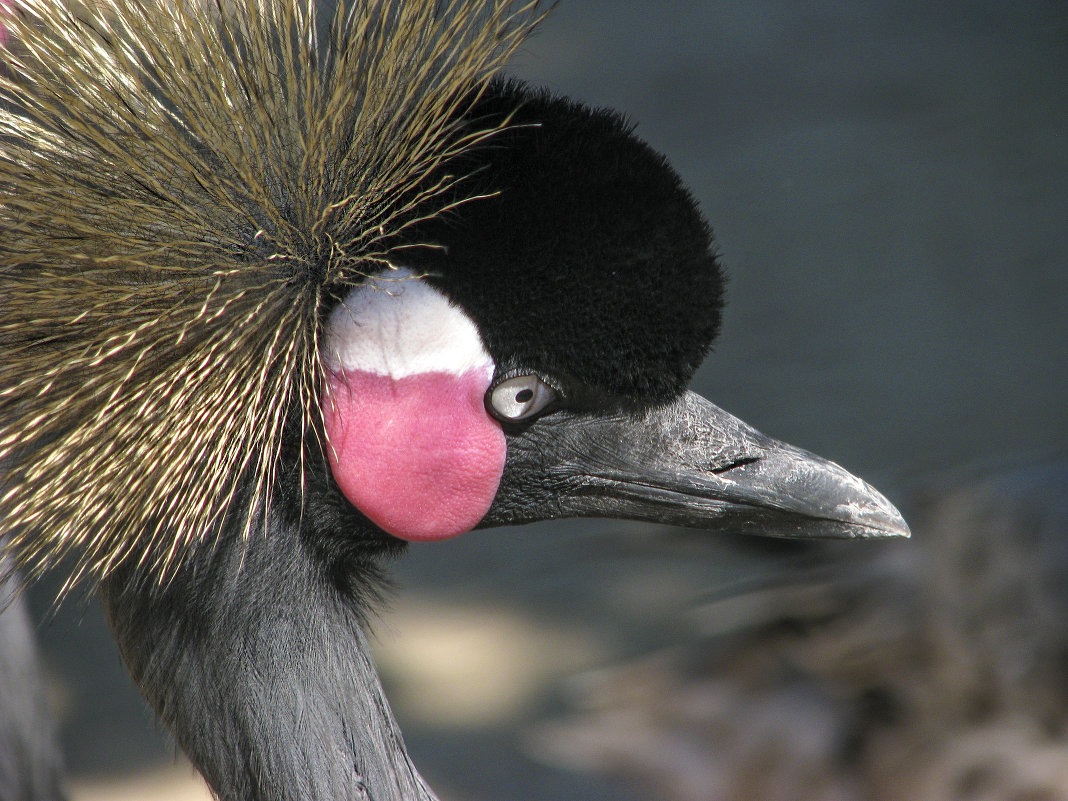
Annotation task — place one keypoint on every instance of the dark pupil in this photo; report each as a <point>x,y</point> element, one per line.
<point>524,395</point>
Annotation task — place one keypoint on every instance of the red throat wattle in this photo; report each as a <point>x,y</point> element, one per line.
<point>410,442</point>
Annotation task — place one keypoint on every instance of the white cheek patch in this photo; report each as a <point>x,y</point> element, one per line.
<point>411,444</point>
<point>397,325</point>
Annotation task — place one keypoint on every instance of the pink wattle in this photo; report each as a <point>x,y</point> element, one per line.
<point>419,455</point>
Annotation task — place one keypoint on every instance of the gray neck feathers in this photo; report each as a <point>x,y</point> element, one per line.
<point>259,665</point>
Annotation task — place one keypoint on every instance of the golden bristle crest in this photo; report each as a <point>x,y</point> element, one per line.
<point>182,186</point>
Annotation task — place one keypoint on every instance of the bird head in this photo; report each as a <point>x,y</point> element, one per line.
<point>530,360</point>
<point>354,277</point>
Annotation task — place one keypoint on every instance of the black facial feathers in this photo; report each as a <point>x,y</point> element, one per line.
<point>589,261</point>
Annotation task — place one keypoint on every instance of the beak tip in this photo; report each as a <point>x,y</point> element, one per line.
<point>880,519</point>
<point>901,529</point>
<point>897,529</point>
<point>825,491</point>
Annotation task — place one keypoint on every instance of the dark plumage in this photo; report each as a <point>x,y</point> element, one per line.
<point>591,262</point>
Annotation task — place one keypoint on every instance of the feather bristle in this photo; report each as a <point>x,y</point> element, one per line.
<point>183,185</point>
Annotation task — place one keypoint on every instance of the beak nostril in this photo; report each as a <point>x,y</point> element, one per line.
<point>742,462</point>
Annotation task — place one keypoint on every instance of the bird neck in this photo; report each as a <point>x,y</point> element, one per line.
<point>257,661</point>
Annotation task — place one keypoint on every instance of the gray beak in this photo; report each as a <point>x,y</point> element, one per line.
<point>687,464</point>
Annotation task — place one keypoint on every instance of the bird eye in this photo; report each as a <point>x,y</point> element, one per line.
<point>520,399</point>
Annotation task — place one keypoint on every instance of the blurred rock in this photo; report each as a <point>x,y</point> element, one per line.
<point>933,669</point>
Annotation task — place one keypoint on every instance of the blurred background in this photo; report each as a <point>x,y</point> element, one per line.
<point>888,184</point>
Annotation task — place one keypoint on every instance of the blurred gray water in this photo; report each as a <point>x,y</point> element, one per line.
<point>888,183</point>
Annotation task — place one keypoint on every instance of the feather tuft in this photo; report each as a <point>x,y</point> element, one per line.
<point>184,187</point>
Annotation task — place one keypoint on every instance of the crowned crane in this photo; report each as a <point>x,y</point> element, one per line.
<point>282,295</point>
